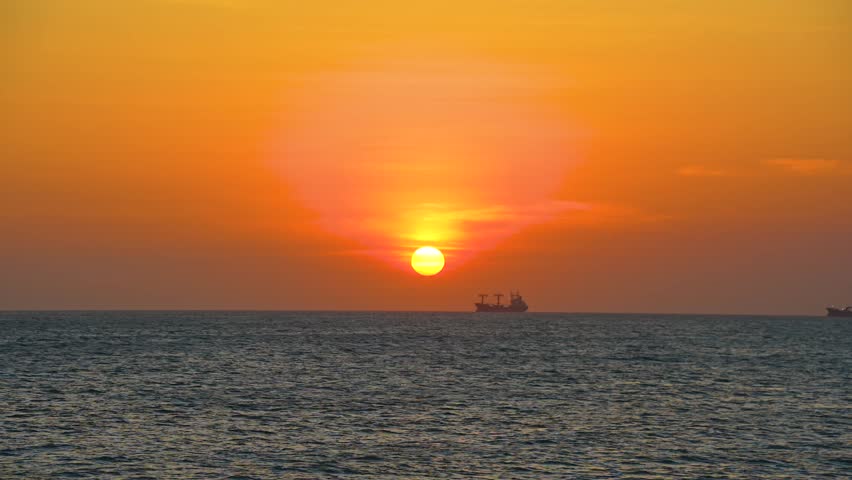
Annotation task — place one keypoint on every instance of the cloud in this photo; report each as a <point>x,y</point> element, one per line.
<point>455,228</point>
<point>462,231</point>
<point>809,166</point>
<point>485,225</point>
<point>208,3</point>
<point>702,171</point>
<point>762,168</point>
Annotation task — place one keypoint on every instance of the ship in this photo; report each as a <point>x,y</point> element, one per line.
<point>839,312</point>
<point>516,303</point>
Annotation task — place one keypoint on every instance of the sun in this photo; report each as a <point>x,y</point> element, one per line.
<point>427,261</point>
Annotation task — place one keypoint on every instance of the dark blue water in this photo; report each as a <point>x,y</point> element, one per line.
<point>390,395</point>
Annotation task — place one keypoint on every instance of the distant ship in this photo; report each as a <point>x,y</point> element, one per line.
<point>516,304</point>
<point>839,312</point>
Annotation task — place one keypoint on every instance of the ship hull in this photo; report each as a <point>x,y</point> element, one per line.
<point>484,307</point>
<point>836,312</point>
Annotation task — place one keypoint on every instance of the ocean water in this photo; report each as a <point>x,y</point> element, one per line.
<point>423,395</point>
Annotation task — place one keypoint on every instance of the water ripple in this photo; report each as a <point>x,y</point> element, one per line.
<point>394,395</point>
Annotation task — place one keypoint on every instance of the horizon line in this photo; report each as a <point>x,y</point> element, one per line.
<point>308,310</point>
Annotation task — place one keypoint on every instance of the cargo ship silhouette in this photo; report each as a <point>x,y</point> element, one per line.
<point>839,312</point>
<point>516,303</point>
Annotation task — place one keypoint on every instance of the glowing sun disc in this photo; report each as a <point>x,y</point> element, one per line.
<point>427,261</point>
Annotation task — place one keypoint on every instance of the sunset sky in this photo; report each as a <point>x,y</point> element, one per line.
<point>623,156</point>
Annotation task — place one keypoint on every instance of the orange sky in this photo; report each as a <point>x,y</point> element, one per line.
<point>599,156</point>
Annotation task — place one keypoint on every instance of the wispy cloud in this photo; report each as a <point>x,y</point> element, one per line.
<point>485,224</point>
<point>208,3</point>
<point>809,166</point>
<point>776,166</point>
<point>702,171</point>
<point>461,231</point>
<point>520,213</point>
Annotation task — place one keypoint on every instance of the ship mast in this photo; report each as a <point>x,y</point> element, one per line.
<point>498,295</point>
<point>482,297</point>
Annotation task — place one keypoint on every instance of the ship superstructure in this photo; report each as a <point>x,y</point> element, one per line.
<point>516,303</point>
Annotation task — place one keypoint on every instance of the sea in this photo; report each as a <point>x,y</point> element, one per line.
<point>305,395</point>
